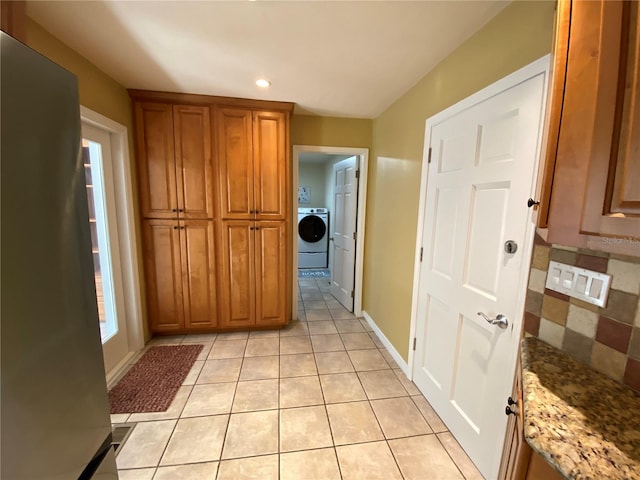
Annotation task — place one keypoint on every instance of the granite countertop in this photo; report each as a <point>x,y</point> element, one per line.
<point>583,423</point>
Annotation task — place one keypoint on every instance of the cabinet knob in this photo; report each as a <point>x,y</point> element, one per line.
<point>173,210</point>
<point>511,401</point>
<point>175,227</point>
<point>181,210</point>
<point>510,411</point>
<point>257,228</point>
<point>531,202</point>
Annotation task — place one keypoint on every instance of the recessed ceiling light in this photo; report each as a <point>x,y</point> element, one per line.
<point>262,83</point>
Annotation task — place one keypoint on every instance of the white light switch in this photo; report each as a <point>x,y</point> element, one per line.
<point>581,283</point>
<point>587,285</point>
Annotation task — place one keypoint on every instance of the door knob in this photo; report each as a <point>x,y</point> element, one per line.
<point>501,321</point>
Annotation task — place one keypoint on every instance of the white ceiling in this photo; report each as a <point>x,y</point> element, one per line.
<point>340,58</point>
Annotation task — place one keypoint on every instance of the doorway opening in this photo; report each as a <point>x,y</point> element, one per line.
<point>109,190</point>
<point>329,192</point>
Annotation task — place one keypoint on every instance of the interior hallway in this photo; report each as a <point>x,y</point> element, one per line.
<point>321,399</point>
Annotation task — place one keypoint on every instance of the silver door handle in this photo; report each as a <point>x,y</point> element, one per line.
<point>500,320</point>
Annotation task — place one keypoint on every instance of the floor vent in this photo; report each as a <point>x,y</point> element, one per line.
<point>119,433</point>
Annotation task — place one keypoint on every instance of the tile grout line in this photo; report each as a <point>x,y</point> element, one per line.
<point>449,455</point>
<point>317,375</point>
<point>335,447</point>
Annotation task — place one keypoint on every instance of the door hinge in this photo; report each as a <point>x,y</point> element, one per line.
<point>414,342</point>
<point>429,157</point>
<point>358,173</point>
<point>352,294</point>
<point>355,235</point>
<point>421,252</point>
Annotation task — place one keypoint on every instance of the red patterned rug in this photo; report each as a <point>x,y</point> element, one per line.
<point>152,383</point>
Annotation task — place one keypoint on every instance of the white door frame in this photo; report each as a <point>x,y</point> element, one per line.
<point>540,66</point>
<point>126,229</point>
<point>363,154</point>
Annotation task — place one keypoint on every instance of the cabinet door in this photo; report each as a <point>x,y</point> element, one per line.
<point>238,274</point>
<point>272,270</point>
<point>198,254</point>
<point>156,161</point>
<point>163,275</point>
<point>516,453</point>
<point>595,190</point>
<point>612,207</point>
<point>235,163</point>
<point>194,170</point>
<point>271,165</point>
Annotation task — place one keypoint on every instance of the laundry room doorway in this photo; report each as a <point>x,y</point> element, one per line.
<point>329,187</point>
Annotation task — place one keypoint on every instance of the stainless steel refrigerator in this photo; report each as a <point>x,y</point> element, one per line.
<point>54,411</point>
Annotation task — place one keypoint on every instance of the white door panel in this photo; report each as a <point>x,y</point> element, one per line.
<point>345,192</point>
<point>107,259</point>
<point>479,179</point>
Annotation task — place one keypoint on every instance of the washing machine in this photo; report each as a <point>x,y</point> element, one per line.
<point>313,237</point>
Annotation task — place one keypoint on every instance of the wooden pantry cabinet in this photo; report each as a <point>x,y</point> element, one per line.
<point>590,194</point>
<point>215,198</point>
<point>255,264</point>
<point>255,199</point>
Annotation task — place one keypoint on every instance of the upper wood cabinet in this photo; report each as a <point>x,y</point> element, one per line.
<point>13,18</point>
<point>174,159</point>
<point>253,162</point>
<point>591,184</point>
<point>272,179</point>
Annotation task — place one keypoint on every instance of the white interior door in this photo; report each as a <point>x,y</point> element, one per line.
<point>483,156</point>
<point>104,238</point>
<point>343,230</point>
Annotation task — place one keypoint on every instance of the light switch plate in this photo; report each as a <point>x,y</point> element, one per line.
<point>586,285</point>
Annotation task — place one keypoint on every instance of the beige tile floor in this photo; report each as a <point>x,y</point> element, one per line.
<point>321,399</point>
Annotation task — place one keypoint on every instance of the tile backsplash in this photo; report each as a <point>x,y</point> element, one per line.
<point>606,338</point>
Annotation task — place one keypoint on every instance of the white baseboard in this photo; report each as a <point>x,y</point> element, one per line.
<point>385,341</point>
<point>119,370</point>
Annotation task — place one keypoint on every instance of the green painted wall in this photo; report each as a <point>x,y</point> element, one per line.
<point>314,176</point>
<point>331,131</point>
<point>98,92</point>
<point>518,35</point>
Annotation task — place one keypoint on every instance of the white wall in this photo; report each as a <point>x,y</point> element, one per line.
<point>313,175</point>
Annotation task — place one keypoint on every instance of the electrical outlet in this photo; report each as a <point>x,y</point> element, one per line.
<point>586,285</point>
